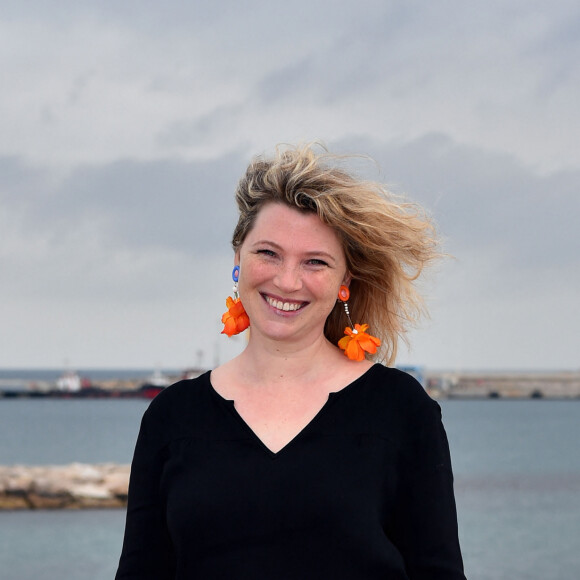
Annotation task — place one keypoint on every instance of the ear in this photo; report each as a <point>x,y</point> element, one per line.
<point>237,258</point>
<point>347,279</point>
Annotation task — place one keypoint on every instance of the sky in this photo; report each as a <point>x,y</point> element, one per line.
<point>126,126</point>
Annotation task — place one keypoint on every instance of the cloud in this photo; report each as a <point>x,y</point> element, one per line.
<point>509,294</point>
<point>124,236</point>
<point>114,231</point>
<point>484,199</point>
<point>500,79</point>
<point>165,204</point>
<point>119,156</point>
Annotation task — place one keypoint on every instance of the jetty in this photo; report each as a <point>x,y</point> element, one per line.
<point>74,486</point>
<point>503,384</point>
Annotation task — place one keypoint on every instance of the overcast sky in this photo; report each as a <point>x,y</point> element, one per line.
<point>126,125</point>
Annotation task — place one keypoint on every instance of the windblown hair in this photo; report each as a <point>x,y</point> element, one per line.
<point>387,241</point>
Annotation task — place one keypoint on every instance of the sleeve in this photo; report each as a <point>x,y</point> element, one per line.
<point>147,549</point>
<point>426,522</point>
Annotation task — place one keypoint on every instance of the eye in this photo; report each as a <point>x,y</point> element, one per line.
<point>265,252</point>
<point>317,262</point>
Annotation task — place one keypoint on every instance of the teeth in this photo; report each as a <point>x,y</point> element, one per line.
<point>286,306</point>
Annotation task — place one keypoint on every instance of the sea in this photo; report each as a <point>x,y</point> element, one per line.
<point>517,483</point>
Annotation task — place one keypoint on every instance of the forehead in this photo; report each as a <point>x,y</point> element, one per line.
<point>287,226</point>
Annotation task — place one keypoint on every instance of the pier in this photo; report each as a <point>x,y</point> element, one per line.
<point>439,384</point>
<point>508,385</point>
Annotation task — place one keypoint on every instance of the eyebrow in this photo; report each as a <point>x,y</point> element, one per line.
<point>317,253</point>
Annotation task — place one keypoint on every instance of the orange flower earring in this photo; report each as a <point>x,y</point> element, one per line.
<point>235,319</point>
<point>357,341</point>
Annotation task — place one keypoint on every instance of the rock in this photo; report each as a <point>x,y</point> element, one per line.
<point>37,501</point>
<point>50,486</point>
<point>89,491</point>
<point>117,484</point>
<point>85,473</point>
<point>16,479</point>
<point>14,502</point>
<point>72,486</point>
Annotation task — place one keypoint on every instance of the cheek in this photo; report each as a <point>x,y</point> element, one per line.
<point>327,290</point>
<point>252,273</point>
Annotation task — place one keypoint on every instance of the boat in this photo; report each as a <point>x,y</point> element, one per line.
<point>154,384</point>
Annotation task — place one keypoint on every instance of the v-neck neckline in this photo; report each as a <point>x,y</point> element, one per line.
<point>332,396</point>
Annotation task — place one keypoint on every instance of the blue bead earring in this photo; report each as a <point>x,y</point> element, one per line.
<point>235,278</point>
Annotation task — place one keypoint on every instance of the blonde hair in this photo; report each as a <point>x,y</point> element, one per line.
<point>387,241</point>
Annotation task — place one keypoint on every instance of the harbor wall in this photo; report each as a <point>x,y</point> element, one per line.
<point>457,384</point>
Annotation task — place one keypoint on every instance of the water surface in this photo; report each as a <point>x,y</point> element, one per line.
<point>517,475</point>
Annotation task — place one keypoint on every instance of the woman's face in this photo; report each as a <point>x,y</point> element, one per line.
<point>291,267</point>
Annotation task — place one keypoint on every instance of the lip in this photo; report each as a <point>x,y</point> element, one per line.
<point>282,305</point>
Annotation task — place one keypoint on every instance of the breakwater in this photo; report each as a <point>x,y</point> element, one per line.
<point>113,389</point>
<point>439,384</point>
<point>74,486</point>
<point>504,384</point>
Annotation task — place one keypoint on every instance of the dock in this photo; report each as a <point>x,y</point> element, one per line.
<point>504,384</point>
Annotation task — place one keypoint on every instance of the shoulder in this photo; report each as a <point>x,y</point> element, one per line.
<point>396,386</point>
<point>178,402</point>
<point>181,391</point>
<point>393,399</point>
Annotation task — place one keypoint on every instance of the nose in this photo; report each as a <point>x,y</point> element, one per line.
<point>288,278</point>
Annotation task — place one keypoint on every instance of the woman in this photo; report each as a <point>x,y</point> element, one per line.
<point>300,458</point>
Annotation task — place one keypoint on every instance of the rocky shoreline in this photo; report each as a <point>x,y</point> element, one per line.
<point>74,486</point>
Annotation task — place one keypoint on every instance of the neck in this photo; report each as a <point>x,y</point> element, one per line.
<point>272,362</point>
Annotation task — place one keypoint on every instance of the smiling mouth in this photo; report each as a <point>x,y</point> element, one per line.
<point>285,306</point>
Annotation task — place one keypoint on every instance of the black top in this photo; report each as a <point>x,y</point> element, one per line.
<point>364,491</point>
